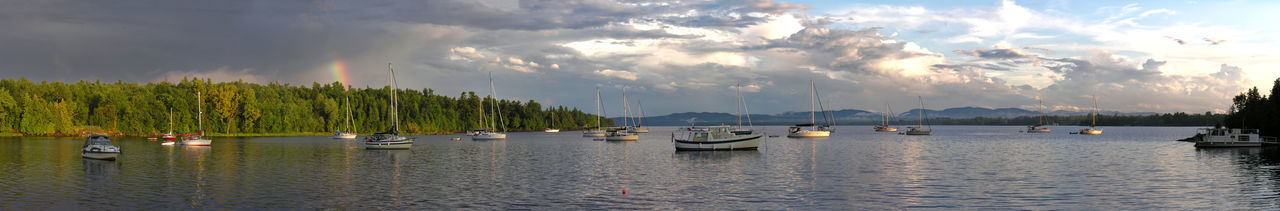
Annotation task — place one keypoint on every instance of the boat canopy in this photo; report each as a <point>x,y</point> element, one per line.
<point>804,125</point>
<point>97,140</point>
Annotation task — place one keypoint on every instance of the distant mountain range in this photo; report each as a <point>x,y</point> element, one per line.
<point>851,116</point>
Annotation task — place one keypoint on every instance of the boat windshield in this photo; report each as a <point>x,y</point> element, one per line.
<point>97,140</point>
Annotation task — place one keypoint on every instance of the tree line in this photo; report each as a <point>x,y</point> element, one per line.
<point>1166,119</point>
<point>57,108</point>
<point>1252,110</point>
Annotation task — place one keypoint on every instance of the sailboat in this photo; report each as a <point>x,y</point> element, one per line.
<point>739,130</point>
<point>490,134</point>
<point>169,137</point>
<point>919,129</point>
<point>197,140</point>
<point>1039,127</point>
<point>349,134</point>
<point>623,134</point>
<point>1093,121</point>
<point>553,128</point>
<point>884,121</point>
<point>810,129</point>
<point>597,132</point>
<point>639,121</point>
<point>390,139</point>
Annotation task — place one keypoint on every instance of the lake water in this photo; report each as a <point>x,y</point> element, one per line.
<point>957,167</point>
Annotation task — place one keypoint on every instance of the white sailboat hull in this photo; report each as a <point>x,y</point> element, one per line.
<point>1090,131</point>
<point>593,133</point>
<point>919,132</point>
<point>396,142</point>
<point>638,130</point>
<point>627,137</point>
<point>197,142</point>
<point>551,130</point>
<point>489,136</point>
<point>809,134</point>
<point>344,136</point>
<point>1039,130</point>
<point>100,155</point>
<point>389,145</point>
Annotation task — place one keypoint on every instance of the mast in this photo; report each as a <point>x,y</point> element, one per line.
<point>200,116</point>
<point>1041,112</point>
<point>170,120</point>
<point>921,124</point>
<point>747,110</point>
<point>497,109</point>
<point>347,100</point>
<point>811,105</point>
<point>739,86</point>
<point>1094,119</point>
<point>394,113</point>
<point>598,108</point>
<point>640,118</point>
<point>884,119</point>
<point>625,109</point>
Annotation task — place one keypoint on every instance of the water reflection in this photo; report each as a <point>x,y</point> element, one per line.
<point>98,173</point>
<point>391,165</point>
<point>716,155</point>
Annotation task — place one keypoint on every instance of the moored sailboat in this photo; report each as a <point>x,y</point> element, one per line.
<point>810,130</point>
<point>1039,127</point>
<point>350,133</point>
<point>492,134</point>
<point>169,138</point>
<point>919,129</point>
<point>390,139</point>
<point>1093,121</point>
<point>624,133</point>
<point>597,132</point>
<point>884,121</point>
<point>742,106</point>
<point>197,139</point>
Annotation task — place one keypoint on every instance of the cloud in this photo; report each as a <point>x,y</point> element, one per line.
<point>619,74</point>
<point>467,52</point>
<point>1179,41</point>
<point>1213,41</point>
<point>222,74</point>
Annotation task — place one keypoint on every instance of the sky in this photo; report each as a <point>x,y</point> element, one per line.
<point>677,56</point>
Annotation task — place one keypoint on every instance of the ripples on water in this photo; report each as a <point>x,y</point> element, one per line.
<point>958,167</point>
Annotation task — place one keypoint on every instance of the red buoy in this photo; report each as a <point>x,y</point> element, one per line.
<point>624,192</point>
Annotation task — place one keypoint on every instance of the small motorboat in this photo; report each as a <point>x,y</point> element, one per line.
<point>99,147</point>
<point>715,138</point>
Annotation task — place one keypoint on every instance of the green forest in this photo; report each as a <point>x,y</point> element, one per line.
<point>239,108</point>
<point>1166,119</point>
<point>1252,110</point>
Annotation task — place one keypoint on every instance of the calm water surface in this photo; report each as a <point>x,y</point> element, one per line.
<point>957,167</point>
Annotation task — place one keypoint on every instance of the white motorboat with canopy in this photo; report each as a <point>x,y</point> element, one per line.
<point>99,147</point>
<point>715,138</point>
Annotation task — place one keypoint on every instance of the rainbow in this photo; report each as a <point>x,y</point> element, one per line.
<point>339,69</point>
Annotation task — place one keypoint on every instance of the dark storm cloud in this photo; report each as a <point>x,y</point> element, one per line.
<point>137,40</point>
